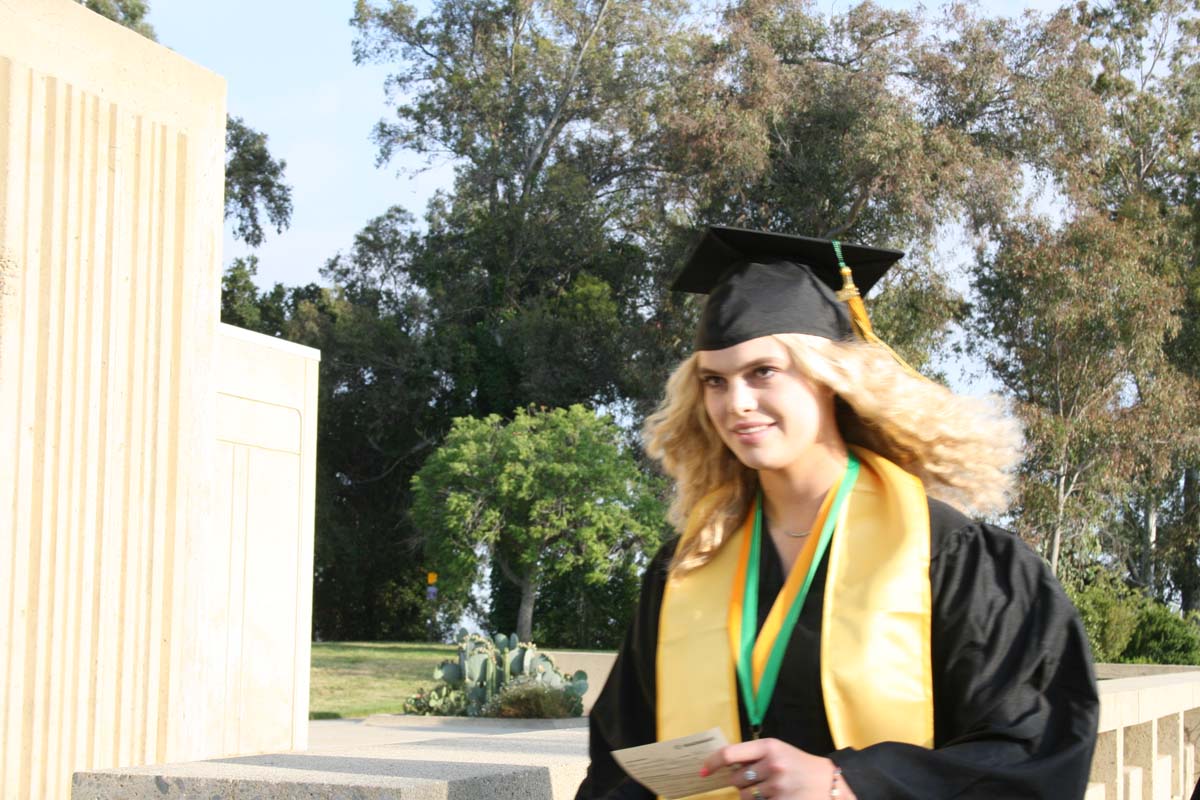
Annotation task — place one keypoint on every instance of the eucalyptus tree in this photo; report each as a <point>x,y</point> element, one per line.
<point>878,126</point>
<point>1146,174</point>
<point>1085,316</point>
<point>1070,315</point>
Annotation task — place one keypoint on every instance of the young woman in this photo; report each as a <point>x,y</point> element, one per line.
<point>854,633</point>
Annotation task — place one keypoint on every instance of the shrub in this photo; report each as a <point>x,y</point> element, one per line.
<point>1110,611</point>
<point>440,701</point>
<point>1163,637</point>
<point>525,698</point>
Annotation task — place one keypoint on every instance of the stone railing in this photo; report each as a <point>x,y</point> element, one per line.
<point>1149,719</point>
<point>1149,724</point>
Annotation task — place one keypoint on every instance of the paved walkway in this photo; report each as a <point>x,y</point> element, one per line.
<point>389,729</point>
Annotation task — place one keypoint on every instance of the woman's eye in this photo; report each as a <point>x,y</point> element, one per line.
<point>764,372</point>
<point>712,381</point>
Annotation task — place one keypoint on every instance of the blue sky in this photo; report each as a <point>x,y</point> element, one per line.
<point>291,75</point>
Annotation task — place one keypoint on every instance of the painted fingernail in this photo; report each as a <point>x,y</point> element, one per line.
<point>704,772</point>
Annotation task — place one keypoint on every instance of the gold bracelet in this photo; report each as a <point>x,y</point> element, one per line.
<point>834,791</point>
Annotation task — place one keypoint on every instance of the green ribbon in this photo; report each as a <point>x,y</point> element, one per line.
<point>756,702</point>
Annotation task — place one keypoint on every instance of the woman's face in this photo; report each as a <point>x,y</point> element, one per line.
<point>771,416</point>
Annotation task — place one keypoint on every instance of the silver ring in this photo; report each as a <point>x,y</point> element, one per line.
<point>750,776</point>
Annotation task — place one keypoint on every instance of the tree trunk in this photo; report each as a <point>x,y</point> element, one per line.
<point>1189,577</point>
<point>1056,541</point>
<point>1151,542</point>
<point>1055,547</point>
<point>525,610</point>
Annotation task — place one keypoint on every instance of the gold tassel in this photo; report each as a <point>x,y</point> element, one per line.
<point>859,320</point>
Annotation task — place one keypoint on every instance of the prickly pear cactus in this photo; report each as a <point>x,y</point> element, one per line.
<point>577,684</point>
<point>450,672</point>
<point>485,668</point>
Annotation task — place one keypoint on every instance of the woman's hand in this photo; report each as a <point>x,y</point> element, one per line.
<point>770,768</point>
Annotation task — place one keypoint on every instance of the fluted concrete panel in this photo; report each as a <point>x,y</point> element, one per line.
<point>111,158</point>
<point>266,431</point>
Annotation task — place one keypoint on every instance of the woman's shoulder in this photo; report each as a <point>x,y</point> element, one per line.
<point>966,548</point>
<point>660,565</point>
<point>955,534</point>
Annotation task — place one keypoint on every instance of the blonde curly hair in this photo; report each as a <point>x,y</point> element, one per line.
<point>963,449</point>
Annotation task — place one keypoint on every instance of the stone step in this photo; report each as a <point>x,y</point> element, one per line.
<point>537,765</point>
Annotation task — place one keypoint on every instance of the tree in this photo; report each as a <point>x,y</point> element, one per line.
<point>1069,316</point>
<point>1146,171</point>
<point>552,492</point>
<point>537,267</point>
<point>1131,170</point>
<point>253,180</point>
<point>875,126</point>
<point>572,611</point>
<point>130,13</point>
<point>382,414</point>
<point>245,305</point>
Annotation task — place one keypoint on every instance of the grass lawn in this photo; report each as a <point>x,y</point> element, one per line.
<point>355,679</point>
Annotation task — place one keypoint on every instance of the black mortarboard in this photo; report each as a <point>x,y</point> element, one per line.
<point>761,283</point>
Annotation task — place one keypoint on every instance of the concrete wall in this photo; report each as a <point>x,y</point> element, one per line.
<point>263,520</point>
<point>596,663</point>
<point>1149,727</point>
<point>111,182</point>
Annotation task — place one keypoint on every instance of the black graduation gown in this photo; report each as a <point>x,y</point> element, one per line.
<point>1015,701</point>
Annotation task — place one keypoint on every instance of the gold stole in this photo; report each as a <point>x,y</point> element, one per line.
<point>876,664</point>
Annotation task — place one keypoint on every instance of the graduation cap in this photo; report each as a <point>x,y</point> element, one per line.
<point>761,283</point>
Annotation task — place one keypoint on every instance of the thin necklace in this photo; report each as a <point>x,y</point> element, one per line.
<point>800,535</point>
<point>791,535</point>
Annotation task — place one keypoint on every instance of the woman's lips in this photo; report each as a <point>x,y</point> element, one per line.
<point>749,434</point>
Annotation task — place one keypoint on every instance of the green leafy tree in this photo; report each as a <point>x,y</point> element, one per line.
<point>254,183</point>
<point>533,281</point>
<point>384,410</point>
<point>576,609</point>
<point>550,493</point>
<point>130,13</point>
<point>538,266</point>
<point>245,305</point>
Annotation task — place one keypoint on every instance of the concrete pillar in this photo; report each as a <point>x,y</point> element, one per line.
<point>1134,782</point>
<point>1171,745</point>
<point>1191,727</point>
<point>111,197</point>
<point>1141,751</point>
<point>1108,767</point>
